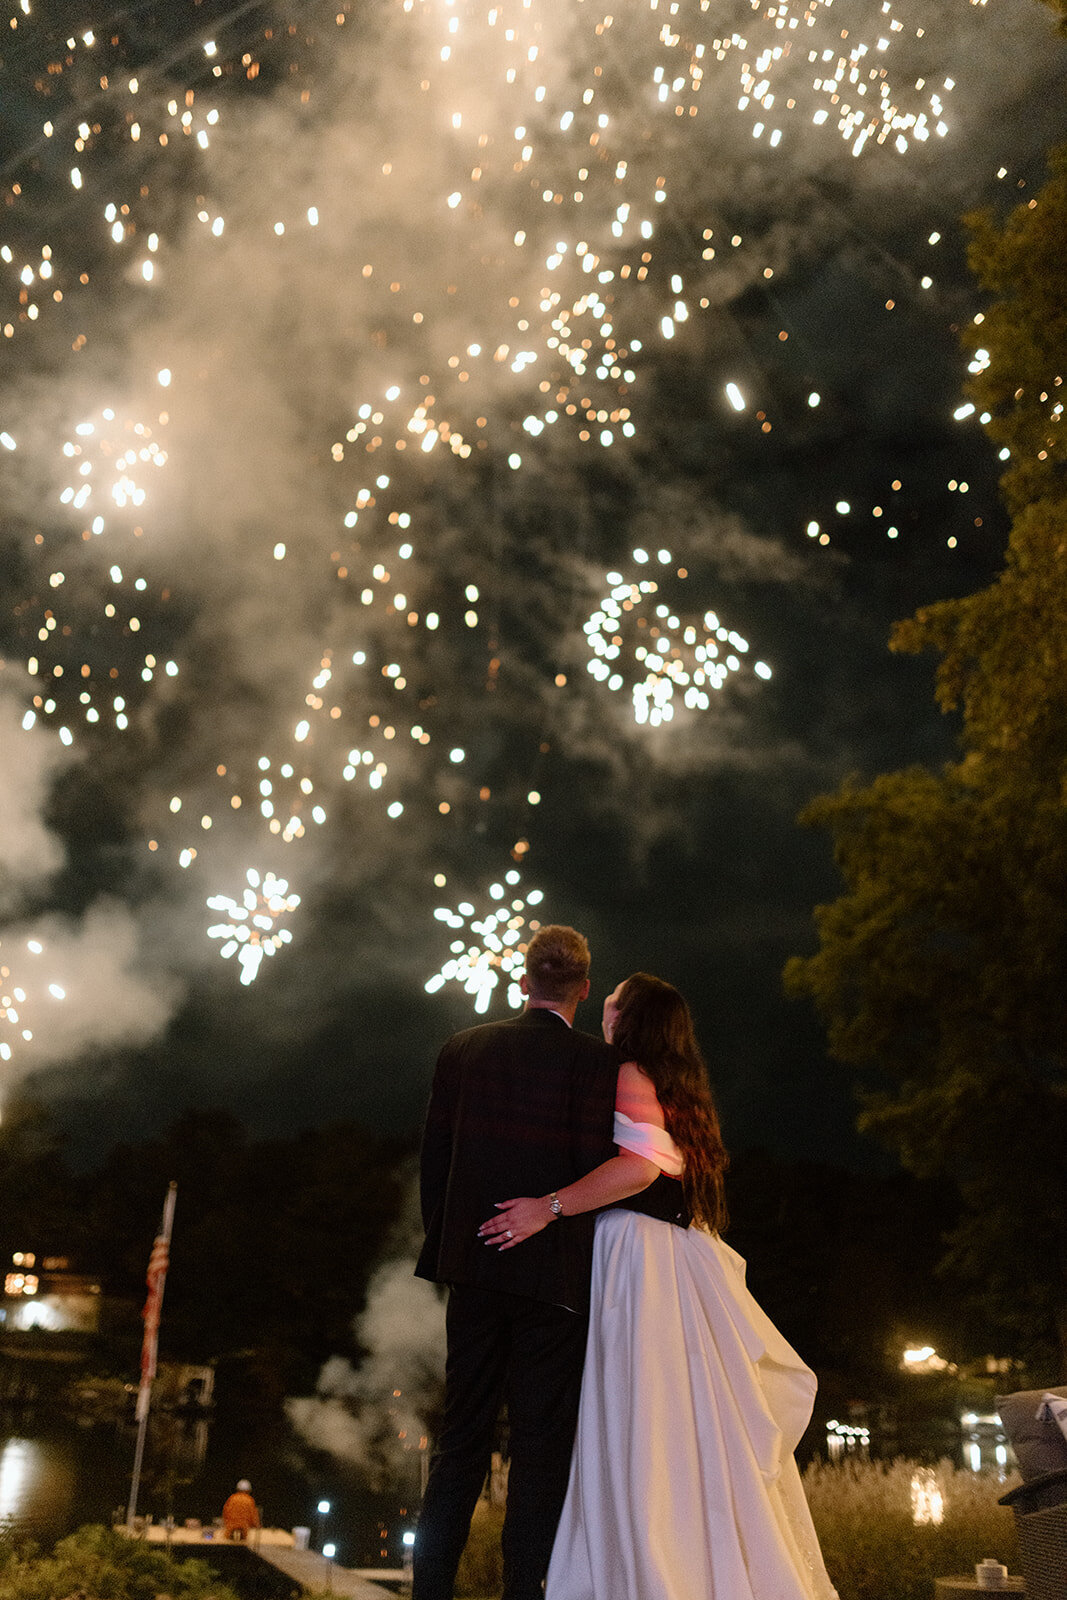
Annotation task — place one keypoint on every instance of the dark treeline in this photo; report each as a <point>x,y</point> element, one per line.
<point>275,1241</point>
<point>846,1263</point>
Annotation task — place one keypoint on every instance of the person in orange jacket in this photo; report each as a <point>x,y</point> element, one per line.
<point>240,1513</point>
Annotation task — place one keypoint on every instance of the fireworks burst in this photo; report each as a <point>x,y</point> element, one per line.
<point>252,930</point>
<point>84,615</point>
<point>503,307</point>
<point>638,640</point>
<point>19,995</point>
<point>503,926</point>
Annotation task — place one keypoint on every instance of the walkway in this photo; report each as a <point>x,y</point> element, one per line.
<point>305,1567</point>
<point>314,1572</point>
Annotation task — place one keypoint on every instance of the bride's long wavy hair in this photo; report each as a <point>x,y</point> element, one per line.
<point>653,1027</point>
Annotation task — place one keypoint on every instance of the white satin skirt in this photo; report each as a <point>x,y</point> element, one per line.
<point>683,1484</point>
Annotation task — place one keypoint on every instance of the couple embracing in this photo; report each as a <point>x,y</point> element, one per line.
<point>653,1408</point>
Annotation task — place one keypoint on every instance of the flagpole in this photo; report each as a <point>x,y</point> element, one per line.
<point>157,1279</point>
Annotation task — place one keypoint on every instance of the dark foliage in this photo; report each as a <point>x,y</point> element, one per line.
<point>274,1240</point>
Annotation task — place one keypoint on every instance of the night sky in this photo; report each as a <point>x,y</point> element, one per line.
<point>368,232</point>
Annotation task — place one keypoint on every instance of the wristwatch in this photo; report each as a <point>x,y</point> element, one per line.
<point>555,1204</point>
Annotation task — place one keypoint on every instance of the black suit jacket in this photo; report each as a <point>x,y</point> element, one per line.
<point>517,1108</point>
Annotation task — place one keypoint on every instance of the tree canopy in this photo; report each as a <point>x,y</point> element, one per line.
<point>274,1240</point>
<point>940,971</point>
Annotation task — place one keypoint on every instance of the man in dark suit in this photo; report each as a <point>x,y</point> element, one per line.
<point>517,1107</point>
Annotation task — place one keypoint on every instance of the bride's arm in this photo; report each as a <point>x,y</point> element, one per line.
<point>617,1179</point>
<point>620,1177</point>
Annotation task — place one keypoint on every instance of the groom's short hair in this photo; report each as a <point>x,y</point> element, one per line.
<point>557,963</point>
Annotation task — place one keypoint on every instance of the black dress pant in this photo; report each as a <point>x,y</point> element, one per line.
<point>501,1347</point>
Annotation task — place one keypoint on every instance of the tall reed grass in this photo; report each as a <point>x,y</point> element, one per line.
<point>865,1515</point>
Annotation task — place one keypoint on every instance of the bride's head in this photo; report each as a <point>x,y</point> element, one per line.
<point>649,1022</point>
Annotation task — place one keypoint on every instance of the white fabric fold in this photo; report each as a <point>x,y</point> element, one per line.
<point>645,1139</point>
<point>683,1482</point>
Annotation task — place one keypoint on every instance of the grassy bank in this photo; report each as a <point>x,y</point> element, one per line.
<point>98,1564</point>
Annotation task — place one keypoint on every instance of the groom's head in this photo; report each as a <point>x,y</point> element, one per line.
<point>557,967</point>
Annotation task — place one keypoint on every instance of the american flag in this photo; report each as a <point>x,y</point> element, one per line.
<point>153,1306</point>
<point>156,1279</point>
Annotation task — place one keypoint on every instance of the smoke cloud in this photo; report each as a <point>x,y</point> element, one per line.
<point>29,850</point>
<point>374,1414</point>
<point>351,660</point>
<point>86,988</point>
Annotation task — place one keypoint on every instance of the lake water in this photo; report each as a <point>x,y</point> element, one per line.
<point>57,1472</point>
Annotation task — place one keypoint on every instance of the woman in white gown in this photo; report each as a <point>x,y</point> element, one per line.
<point>683,1484</point>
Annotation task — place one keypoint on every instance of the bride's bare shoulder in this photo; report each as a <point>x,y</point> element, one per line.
<point>635,1095</point>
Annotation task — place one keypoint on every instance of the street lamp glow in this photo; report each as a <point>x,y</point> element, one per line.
<point>323,1507</point>
<point>329,1551</point>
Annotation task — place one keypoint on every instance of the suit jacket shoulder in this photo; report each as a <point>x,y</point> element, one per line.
<point>522,1106</point>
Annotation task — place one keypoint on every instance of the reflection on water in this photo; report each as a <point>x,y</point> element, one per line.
<point>985,1444</point>
<point>36,1483</point>
<point>22,1474</point>
<point>41,1480</point>
<point>980,1443</point>
<point>56,1474</point>
<point>843,1439</point>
